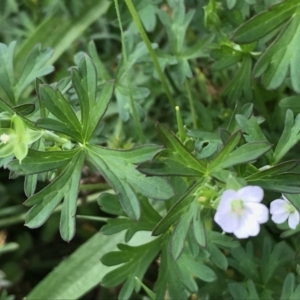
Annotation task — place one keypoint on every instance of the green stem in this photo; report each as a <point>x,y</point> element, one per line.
<point>181,132</point>
<point>91,218</point>
<point>137,123</point>
<point>48,135</point>
<point>16,219</point>
<point>146,40</point>
<point>192,107</point>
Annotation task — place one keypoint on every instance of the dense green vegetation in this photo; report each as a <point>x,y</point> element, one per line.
<point>150,148</point>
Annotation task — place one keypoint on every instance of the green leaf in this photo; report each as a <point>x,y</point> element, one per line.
<point>283,185</point>
<point>101,70</point>
<point>136,261</point>
<point>110,204</point>
<point>281,57</point>
<point>149,218</point>
<point>272,258</point>
<point>64,186</point>
<point>237,291</point>
<point>253,131</point>
<point>59,107</point>
<point>276,170</point>
<point>265,22</point>
<point>227,149</point>
<point>225,57</point>
<point>34,67</point>
<point>245,153</point>
<point>57,126</point>
<point>241,83</point>
<point>170,141</point>
<point>150,294</point>
<point>69,30</point>
<point>124,178</point>
<point>231,3</point>
<point>25,109</point>
<point>39,161</point>
<point>179,235</point>
<point>217,257</point>
<point>180,207</point>
<point>292,102</point>
<point>7,70</point>
<point>68,213</point>
<point>167,167</point>
<point>290,136</point>
<point>30,185</point>
<point>221,240</point>
<point>199,229</point>
<point>183,273</point>
<point>78,273</point>
<point>85,82</point>
<point>288,286</point>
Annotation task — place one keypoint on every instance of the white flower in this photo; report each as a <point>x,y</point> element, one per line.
<point>240,212</point>
<point>282,209</point>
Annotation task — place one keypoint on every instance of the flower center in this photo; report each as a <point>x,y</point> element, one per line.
<point>237,206</point>
<point>290,208</point>
<point>4,138</point>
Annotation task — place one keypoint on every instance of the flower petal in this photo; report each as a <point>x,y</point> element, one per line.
<point>259,211</point>
<point>280,218</point>
<point>248,226</point>
<point>294,219</point>
<point>278,206</point>
<point>225,203</point>
<point>251,193</point>
<point>229,222</point>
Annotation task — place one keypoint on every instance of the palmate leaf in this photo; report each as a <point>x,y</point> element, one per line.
<point>253,132</point>
<point>282,56</point>
<point>185,215</point>
<point>111,204</point>
<point>229,156</point>
<point>135,262</point>
<point>241,83</point>
<point>92,106</point>
<point>178,277</point>
<point>171,142</point>
<point>238,291</point>
<point>92,109</point>
<point>64,186</point>
<point>265,22</point>
<point>289,290</point>
<point>290,136</point>
<point>119,171</point>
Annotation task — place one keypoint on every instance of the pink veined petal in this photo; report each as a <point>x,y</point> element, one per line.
<point>259,211</point>
<point>225,202</point>
<point>248,226</point>
<point>251,193</point>
<point>228,222</point>
<point>280,218</point>
<point>294,219</point>
<point>278,206</point>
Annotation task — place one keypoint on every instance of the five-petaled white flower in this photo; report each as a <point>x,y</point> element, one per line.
<point>240,212</point>
<point>282,209</point>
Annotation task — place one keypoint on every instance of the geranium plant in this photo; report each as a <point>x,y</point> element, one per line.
<point>191,131</point>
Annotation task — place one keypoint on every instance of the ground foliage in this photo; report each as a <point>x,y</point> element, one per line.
<point>132,118</point>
